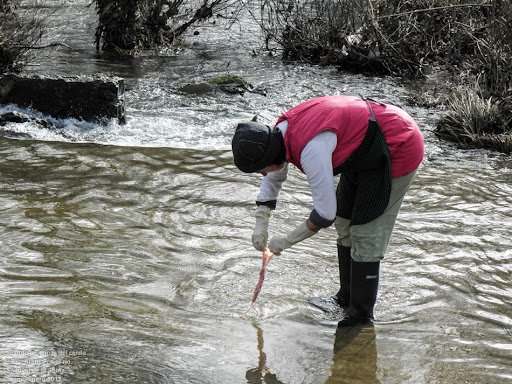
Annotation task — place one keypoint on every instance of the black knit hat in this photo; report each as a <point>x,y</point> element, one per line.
<point>256,146</point>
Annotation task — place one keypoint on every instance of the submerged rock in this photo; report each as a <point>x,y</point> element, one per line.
<point>17,117</point>
<point>197,89</point>
<point>227,83</point>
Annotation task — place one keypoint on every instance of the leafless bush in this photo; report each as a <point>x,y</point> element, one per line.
<point>316,31</point>
<point>130,25</point>
<point>491,62</point>
<point>401,37</point>
<point>16,36</point>
<point>470,39</point>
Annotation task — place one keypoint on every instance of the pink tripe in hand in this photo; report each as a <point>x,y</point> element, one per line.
<point>267,255</point>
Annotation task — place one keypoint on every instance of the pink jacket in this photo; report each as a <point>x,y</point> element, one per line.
<point>348,117</point>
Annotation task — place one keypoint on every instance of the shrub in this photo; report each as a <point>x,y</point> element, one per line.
<point>472,40</point>
<point>473,121</point>
<point>126,26</point>
<point>398,37</point>
<point>17,37</point>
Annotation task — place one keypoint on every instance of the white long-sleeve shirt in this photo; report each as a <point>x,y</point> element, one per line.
<point>316,161</point>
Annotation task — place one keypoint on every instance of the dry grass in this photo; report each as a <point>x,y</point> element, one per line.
<point>473,121</point>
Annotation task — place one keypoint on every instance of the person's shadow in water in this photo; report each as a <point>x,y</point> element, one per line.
<point>261,374</point>
<point>355,356</point>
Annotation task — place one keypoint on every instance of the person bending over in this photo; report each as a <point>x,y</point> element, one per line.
<point>376,148</point>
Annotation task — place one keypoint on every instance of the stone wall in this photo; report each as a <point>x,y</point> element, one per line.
<point>89,99</point>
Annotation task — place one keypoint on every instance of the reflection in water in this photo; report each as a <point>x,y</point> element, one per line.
<point>261,374</point>
<point>355,356</point>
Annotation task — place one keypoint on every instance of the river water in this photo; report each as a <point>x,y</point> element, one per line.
<point>126,253</point>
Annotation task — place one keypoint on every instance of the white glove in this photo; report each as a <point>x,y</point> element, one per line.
<point>260,234</point>
<point>279,243</point>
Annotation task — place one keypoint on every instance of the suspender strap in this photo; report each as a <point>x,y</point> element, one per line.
<point>372,116</point>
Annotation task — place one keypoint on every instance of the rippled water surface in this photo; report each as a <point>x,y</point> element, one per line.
<point>126,254</point>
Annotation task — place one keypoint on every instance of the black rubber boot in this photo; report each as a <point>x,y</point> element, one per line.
<point>364,284</point>
<point>342,298</point>
<point>344,261</point>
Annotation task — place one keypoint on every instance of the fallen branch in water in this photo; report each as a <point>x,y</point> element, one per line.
<point>45,46</point>
<point>433,9</point>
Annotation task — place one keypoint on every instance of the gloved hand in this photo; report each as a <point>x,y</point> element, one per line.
<point>260,234</point>
<point>279,243</point>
